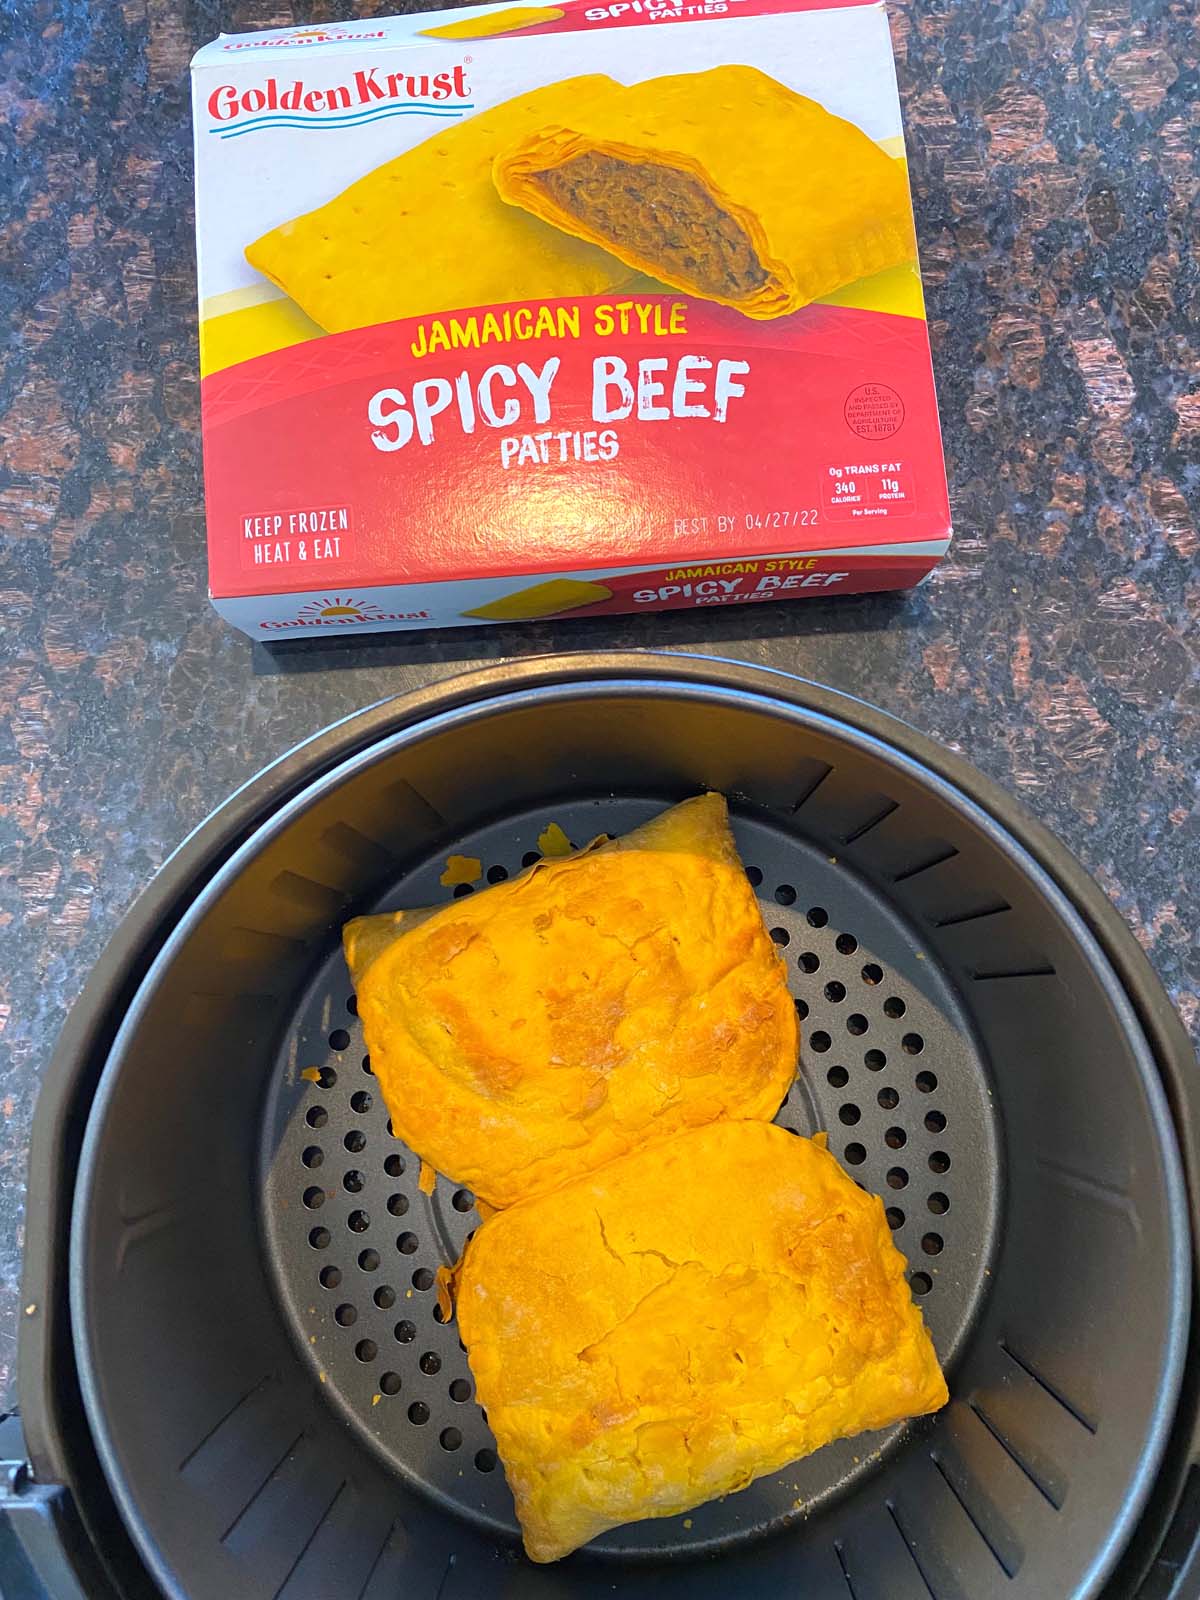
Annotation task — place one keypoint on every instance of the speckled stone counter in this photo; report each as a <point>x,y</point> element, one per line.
<point>1055,154</point>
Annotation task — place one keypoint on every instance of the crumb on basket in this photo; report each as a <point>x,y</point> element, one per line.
<point>461,869</point>
<point>552,841</point>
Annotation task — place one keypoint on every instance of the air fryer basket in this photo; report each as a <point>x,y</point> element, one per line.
<point>280,1411</point>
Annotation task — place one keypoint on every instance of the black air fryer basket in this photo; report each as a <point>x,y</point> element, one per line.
<point>236,1384</point>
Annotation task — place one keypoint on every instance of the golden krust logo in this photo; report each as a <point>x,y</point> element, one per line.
<point>340,611</point>
<point>369,94</point>
<point>304,36</point>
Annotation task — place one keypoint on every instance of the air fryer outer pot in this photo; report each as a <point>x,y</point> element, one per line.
<point>63,1500</point>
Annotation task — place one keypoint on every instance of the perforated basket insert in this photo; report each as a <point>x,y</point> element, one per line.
<point>358,1244</point>
<point>252,1251</point>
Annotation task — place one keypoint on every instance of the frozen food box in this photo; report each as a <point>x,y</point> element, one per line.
<point>519,312</point>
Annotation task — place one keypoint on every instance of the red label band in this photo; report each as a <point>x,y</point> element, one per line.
<point>569,435</point>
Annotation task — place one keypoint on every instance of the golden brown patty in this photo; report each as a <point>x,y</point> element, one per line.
<point>533,1031</point>
<point>682,1321</point>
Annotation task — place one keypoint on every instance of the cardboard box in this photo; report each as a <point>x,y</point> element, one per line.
<point>519,312</point>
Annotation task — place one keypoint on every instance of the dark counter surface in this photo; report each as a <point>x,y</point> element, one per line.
<point>1055,156</point>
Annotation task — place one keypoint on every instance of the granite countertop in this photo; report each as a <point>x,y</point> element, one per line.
<point>1054,153</point>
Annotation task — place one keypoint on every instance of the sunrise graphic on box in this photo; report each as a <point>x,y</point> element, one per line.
<point>339,606</point>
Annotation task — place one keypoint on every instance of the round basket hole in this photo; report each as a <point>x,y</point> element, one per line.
<point>809,962</point>
<point>926,1082</point>
<point>319,1238</point>
<point>389,1383</point>
<point>781,936</point>
<point>530,858</point>
<point>921,1283</point>
<point>485,1460</point>
<point>438,1314</point>
<point>422,1278</point>
<point>358,1222</point>
<point>895,1138</point>
<point>897,1178</point>
<point>894,1007</point>
<point>450,1438</point>
<point>394,1166</point>
<point>330,1277</point>
<point>345,1316</point>
<point>912,1044</point>
<point>407,1243</point>
<point>355,1141</point>
<point>353,1181</point>
<point>360,1101</point>
<point>817,917</point>
<point>367,1067</point>
<point>939,1161</point>
<point>313,1156</point>
<point>835,991</point>
<point>935,1121</point>
<point>895,1217</point>
<point>872,973</point>
<point>888,1099</point>
<point>352,1004</point>
<point>849,1114</point>
<point>939,1203</point>
<point>754,876</point>
<point>326,1078</point>
<point>802,1010</point>
<point>462,890</point>
<point>497,874</point>
<point>366,1350</point>
<point>819,1041</point>
<point>339,1039</point>
<point>316,1116</point>
<point>418,1412</point>
<point>397,1204</point>
<point>314,1198</point>
<point>460,1390</point>
<point>855,1154</point>
<point>785,895</point>
<point>384,1297</point>
<point>405,1331</point>
<point>857,1024</point>
<point>462,1200</point>
<point>933,1244</point>
<point>875,1060</point>
<point>845,944</point>
<point>837,1077</point>
<point>368,1260</point>
<point>430,1363</point>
